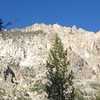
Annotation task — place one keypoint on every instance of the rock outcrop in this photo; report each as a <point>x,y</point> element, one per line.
<point>26,50</point>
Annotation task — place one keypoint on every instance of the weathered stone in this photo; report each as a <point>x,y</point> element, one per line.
<point>26,51</point>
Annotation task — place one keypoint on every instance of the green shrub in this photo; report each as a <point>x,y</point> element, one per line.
<point>98,95</point>
<point>79,95</point>
<point>38,87</point>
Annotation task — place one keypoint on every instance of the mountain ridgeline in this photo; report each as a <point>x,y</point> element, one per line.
<point>26,51</point>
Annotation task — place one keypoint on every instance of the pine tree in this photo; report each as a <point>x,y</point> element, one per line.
<point>1,24</point>
<point>59,85</point>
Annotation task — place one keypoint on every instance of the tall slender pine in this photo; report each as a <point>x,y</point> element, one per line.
<point>59,85</point>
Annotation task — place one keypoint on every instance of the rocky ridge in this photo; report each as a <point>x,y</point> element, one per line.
<point>26,50</point>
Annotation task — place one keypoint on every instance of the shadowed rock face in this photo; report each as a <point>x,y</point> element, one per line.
<point>26,50</point>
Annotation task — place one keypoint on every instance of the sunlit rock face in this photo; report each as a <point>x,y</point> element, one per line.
<point>26,50</point>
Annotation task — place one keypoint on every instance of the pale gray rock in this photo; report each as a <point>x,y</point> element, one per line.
<point>26,50</point>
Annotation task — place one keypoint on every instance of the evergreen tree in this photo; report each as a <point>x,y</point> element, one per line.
<point>1,24</point>
<point>59,85</point>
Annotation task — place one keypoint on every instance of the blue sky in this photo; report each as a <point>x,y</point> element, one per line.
<point>82,13</point>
